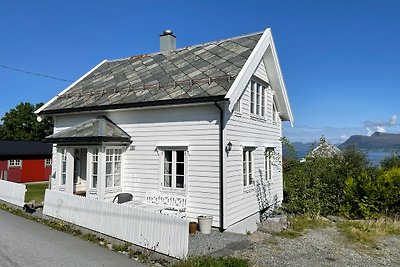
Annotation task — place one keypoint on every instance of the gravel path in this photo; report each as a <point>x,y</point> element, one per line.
<point>321,247</point>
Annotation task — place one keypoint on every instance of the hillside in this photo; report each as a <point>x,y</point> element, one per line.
<point>377,141</point>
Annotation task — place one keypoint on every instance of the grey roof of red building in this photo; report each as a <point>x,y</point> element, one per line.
<point>24,149</point>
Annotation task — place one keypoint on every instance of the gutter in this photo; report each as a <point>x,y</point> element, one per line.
<point>221,167</point>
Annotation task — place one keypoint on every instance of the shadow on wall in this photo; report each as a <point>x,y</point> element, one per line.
<point>266,202</point>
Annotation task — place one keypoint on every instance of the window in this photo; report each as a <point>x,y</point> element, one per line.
<point>113,167</point>
<point>257,98</point>
<point>47,162</point>
<point>269,153</point>
<point>248,159</point>
<point>95,164</point>
<point>63,166</point>
<point>174,162</point>
<point>275,113</point>
<point>238,106</point>
<point>14,163</point>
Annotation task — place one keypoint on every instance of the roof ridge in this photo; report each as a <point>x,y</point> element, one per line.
<point>186,47</point>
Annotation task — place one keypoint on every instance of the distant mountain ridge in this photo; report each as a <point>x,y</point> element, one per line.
<point>377,141</point>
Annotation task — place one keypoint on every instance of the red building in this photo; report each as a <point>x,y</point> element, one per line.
<point>25,161</point>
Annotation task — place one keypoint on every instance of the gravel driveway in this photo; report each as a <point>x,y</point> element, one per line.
<point>321,247</point>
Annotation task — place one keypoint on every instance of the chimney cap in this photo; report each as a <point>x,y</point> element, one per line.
<point>167,32</point>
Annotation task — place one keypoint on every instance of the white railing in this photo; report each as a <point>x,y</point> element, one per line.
<point>165,234</point>
<point>12,192</point>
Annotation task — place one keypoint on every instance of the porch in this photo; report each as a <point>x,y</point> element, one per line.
<point>88,159</point>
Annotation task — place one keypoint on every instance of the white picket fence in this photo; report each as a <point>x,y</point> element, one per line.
<point>165,234</point>
<point>12,192</point>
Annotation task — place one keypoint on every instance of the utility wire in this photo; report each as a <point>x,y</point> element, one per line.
<point>37,74</point>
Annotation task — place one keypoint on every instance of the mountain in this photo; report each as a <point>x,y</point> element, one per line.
<point>377,141</point>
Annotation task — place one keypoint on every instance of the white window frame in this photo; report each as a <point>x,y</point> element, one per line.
<point>248,166</point>
<point>48,162</point>
<point>94,158</point>
<point>14,163</point>
<point>63,160</point>
<point>268,162</point>
<point>116,158</point>
<point>258,99</point>
<point>173,171</point>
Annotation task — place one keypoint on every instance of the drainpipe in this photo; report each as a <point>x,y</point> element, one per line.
<point>221,167</point>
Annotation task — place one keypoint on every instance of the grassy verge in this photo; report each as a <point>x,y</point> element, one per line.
<point>35,192</point>
<point>367,233</point>
<point>298,225</point>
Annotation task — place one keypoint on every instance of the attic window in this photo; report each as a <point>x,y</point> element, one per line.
<point>257,98</point>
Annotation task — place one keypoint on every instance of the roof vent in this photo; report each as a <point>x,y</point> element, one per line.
<point>167,41</point>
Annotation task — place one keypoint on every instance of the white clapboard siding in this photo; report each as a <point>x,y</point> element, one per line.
<point>162,233</point>
<point>12,193</point>
<point>244,129</point>
<point>194,126</point>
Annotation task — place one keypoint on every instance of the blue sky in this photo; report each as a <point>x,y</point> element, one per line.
<point>340,59</point>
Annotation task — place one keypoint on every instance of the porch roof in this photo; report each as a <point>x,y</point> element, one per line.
<point>93,131</point>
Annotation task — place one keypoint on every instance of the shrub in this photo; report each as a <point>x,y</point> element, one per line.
<point>368,195</point>
<point>391,162</point>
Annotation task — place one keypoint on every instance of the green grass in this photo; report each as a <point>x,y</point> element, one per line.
<point>35,192</point>
<point>300,223</point>
<point>211,262</point>
<point>366,233</point>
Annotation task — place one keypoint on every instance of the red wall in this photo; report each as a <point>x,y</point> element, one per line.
<point>32,170</point>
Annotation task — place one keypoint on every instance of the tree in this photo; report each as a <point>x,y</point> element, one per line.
<point>20,123</point>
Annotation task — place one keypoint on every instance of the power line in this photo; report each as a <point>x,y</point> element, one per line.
<point>37,74</point>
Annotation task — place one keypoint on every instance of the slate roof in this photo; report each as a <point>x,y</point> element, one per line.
<point>191,73</point>
<point>92,131</point>
<point>325,150</point>
<point>24,149</point>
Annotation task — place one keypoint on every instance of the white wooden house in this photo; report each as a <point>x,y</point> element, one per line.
<point>199,122</point>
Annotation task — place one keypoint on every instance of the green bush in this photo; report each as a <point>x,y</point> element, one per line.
<point>370,196</point>
<point>212,262</point>
<point>391,162</point>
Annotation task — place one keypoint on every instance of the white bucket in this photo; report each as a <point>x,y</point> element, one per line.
<point>205,223</point>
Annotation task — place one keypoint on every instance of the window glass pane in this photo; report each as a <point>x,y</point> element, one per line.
<point>179,181</point>
<point>94,181</point>
<point>167,180</point>
<point>180,156</point>
<point>180,169</point>
<point>108,180</point>
<point>117,180</point>
<point>258,99</point>
<point>167,168</point>
<point>168,155</point>
<point>252,85</point>
<point>109,168</point>
<point>263,91</point>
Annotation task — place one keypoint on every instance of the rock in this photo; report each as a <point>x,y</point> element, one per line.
<point>336,218</point>
<point>109,246</point>
<point>273,225</point>
<point>101,243</point>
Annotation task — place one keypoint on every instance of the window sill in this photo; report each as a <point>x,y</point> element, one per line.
<point>258,118</point>
<point>248,188</point>
<point>181,192</point>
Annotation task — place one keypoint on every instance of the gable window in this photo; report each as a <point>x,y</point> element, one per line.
<point>174,162</point>
<point>47,162</point>
<point>248,163</point>
<point>269,151</point>
<point>13,163</point>
<point>113,167</point>
<point>95,164</point>
<point>63,166</point>
<point>238,106</point>
<point>275,113</point>
<point>257,98</point>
